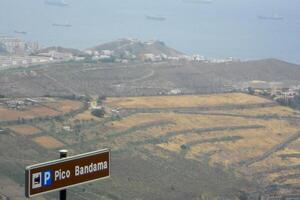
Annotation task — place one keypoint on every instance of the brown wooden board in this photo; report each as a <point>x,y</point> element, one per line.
<point>67,172</point>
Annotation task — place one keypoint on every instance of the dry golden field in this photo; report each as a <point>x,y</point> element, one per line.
<point>250,140</point>
<point>247,136</point>
<point>24,129</point>
<point>281,111</point>
<point>12,115</point>
<point>51,108</point>
<point>65,105</point>
<point>48,142</point>
<point>185,101</point>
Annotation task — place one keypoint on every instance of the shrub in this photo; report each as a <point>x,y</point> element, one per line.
<point>98,112</point>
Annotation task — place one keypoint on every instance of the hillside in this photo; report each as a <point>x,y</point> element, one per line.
<point>214,146</point>
<point>139,78</point>
<point>137,47</point>
<point>219,146</point>
<point>249,135</point>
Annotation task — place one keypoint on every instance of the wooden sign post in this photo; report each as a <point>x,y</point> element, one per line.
<point>58,175</point>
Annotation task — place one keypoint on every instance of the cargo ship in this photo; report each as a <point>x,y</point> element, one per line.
<point>156,18</point>
<point>198,1</point>
<point>56,3</point>
<point>62,25</point>
<point>273,17</point>
<point>20,32</point>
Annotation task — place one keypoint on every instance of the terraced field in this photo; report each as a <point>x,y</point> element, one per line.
<point>251,135</point>
<point>219,146</point>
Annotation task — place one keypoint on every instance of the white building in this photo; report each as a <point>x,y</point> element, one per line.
<point>107,52</point>
<point>13,45</point>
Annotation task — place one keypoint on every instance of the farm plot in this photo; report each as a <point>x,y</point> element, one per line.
<point>25,130</point>
<point>249,139</point>
<point>47,108</point>
<point>64,106</point>
<point>14,115</point>
<point>48,142</point>
<point>86,115</point>
<point>185,101</point>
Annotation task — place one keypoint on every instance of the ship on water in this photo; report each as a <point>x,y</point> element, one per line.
<point>56,3</point>
<point>198,1</point>
<point>62,25</point>
<point>20,32</point>
<point>156,18</point>
<point>273,17</point>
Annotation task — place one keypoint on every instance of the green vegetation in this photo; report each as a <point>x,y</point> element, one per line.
<point>100,99</point>
<point>98,112</point>
<point>295,103</point>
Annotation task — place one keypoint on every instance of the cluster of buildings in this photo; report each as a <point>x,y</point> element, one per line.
<point>194,58</point>
<point>111,56</point>
<point>276,91</point>
<point>224,60</point>
<point>284,95</point>
<point>18,53</point>
<point>19,104</point>
<point>103,55</point>
<point>15,60</point>
<point>61,54</point>
<point>200,58</point>
<point>67,128</point>
<point>57,55</point>
<point>176,91</point>
<point>124,57</point>
<point>17,46</point>
<point>281,197</point>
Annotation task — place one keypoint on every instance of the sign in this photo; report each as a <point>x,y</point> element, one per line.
<point>67,172</point>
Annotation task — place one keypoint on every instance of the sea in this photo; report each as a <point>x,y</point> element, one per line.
<point>214,29</point>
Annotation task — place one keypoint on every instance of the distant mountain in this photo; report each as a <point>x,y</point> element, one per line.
<point>74,52</point>
<point>137,47</point>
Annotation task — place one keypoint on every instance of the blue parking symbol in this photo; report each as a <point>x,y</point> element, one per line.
<point>47,178</point>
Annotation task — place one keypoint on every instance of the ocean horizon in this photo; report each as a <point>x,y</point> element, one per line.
<point>216,29</point>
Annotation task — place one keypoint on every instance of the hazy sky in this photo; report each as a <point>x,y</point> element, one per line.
<point>221,29</point>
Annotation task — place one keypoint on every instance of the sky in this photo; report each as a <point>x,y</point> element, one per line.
<point>223,28</point>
